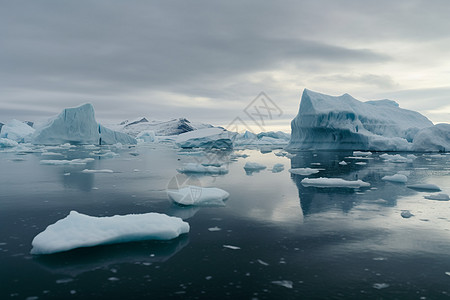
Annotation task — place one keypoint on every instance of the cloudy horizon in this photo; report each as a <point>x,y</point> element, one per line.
<point>207,61</point>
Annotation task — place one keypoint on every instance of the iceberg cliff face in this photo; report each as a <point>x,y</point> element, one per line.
<point>77,125</point>
<point>344,123</point>
<point>433,139</point>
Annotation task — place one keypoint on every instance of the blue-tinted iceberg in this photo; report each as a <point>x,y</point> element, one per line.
<point>77,126</point>
<point>17,131</point>
<point>344,123</point>
<point>435,138</point>
<point>79,230</point>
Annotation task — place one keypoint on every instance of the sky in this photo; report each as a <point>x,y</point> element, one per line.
<point>208,61</point>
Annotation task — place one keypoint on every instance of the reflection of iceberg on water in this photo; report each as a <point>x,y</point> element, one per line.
<point>82,260</point>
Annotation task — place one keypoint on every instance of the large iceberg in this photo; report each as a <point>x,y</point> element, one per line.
<point>77,126</point>
<point>17,131</point>
<point>206,138</point>
<point>344,123</point>
<point>435,138</point>
<point>79,230</point>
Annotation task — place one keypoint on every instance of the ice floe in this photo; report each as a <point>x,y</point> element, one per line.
<point>200,168</point>
<point>333,182</point>
<point>424,187</point>
<point>200,196</point>
<point>395,178</point>
<point>438,197</point>
<point>304,171</point>
<point>79,230</point>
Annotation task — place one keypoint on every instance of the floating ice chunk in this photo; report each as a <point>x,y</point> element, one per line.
<point>195,195</point>
<point>362,153</point>
<point>304,171</point>
<point>396,178</point>
<point>277,168</point>
<point>7,143</point>
<point>333,182</point>
<point>254,166</point>
<point>231,247</point>
<point>397,158</point>
<point>438,197</point>
<point>343,163</point>
<point>262,262</point>
<point>199,168</point>
<point>17,131</point>
<point>361,163</point>
<point>78,161</point>
<point>424,187</point>
<point>380,286</point>
<point>79,230</point>
<point>215,228</point>
<point>284,283</point>
<point>97,171</point>
<point>51,154</point>
<point>406,214</point>
<point>281,153</point>
<point>291,155</point>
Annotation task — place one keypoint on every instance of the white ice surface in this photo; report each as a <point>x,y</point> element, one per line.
<point>195,195</point>
<point>206,138</point>
<point>79,230</point>
<point>334,182</point>
<point>435,138</point>
<point>97,171</point>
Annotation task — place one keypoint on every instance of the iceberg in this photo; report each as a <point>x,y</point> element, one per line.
<point>77,125</point>
<point>334,182</point>
<point>438,197</point>
<point>195,195</point>
<point>424,187</point>
<point>344,123</point>
<point>433,139</point>
<point>270,138</point>
<point>17,131</point>
<point>206,138</point>
<point>79,230</point>
<point>277,168</point>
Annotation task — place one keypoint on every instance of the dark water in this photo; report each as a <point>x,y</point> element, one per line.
<point>294,242</point>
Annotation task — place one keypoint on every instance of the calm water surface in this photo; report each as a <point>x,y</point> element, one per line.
<point>290,241</point>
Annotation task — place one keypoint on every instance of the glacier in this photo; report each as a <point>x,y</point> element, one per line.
<point>344,123</point>
<point>77,125</point>
<point>78,230</point>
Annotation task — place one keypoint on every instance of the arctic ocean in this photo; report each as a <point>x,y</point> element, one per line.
<point>274,237</point>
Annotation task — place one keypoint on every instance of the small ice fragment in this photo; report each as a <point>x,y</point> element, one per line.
<point>406,214</point>
<point>396,178</point>
<point>379,258</point>
<point>447,273</point>
<point>361,153</point>
<point>136,170</point>
<point>361,163</point>
<point>254,166</point>
<point>64,280</point>
<point>277,168</point>
<point>262,262</point>
<point>304,171</point>
<point>333,182</point>
<point>214,228</point>
<point>66,174</point>
<point>97,171</point>
<point>113,279</point>
<point>343,163</point>
<point>438,197</point>
<point>285,283</point>
<point>424,186</point>
<point>380,286</point>
<point>231,247</point>
<point>208,277</point>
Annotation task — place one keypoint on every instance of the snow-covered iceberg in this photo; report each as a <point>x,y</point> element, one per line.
<point>7,143</point>
<point>206,138</point>
<point>196,195</point>
<point>435,138</point>
<point>270,138</point>
<point>79,230</point>
<point>344,123</point>
<point>77,125</point>
<point>17,131</point>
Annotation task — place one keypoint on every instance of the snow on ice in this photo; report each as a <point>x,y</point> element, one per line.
<point>79,230</point>
<point>17,131</point>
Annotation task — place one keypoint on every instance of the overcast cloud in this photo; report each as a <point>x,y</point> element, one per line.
<point>206,61</point>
